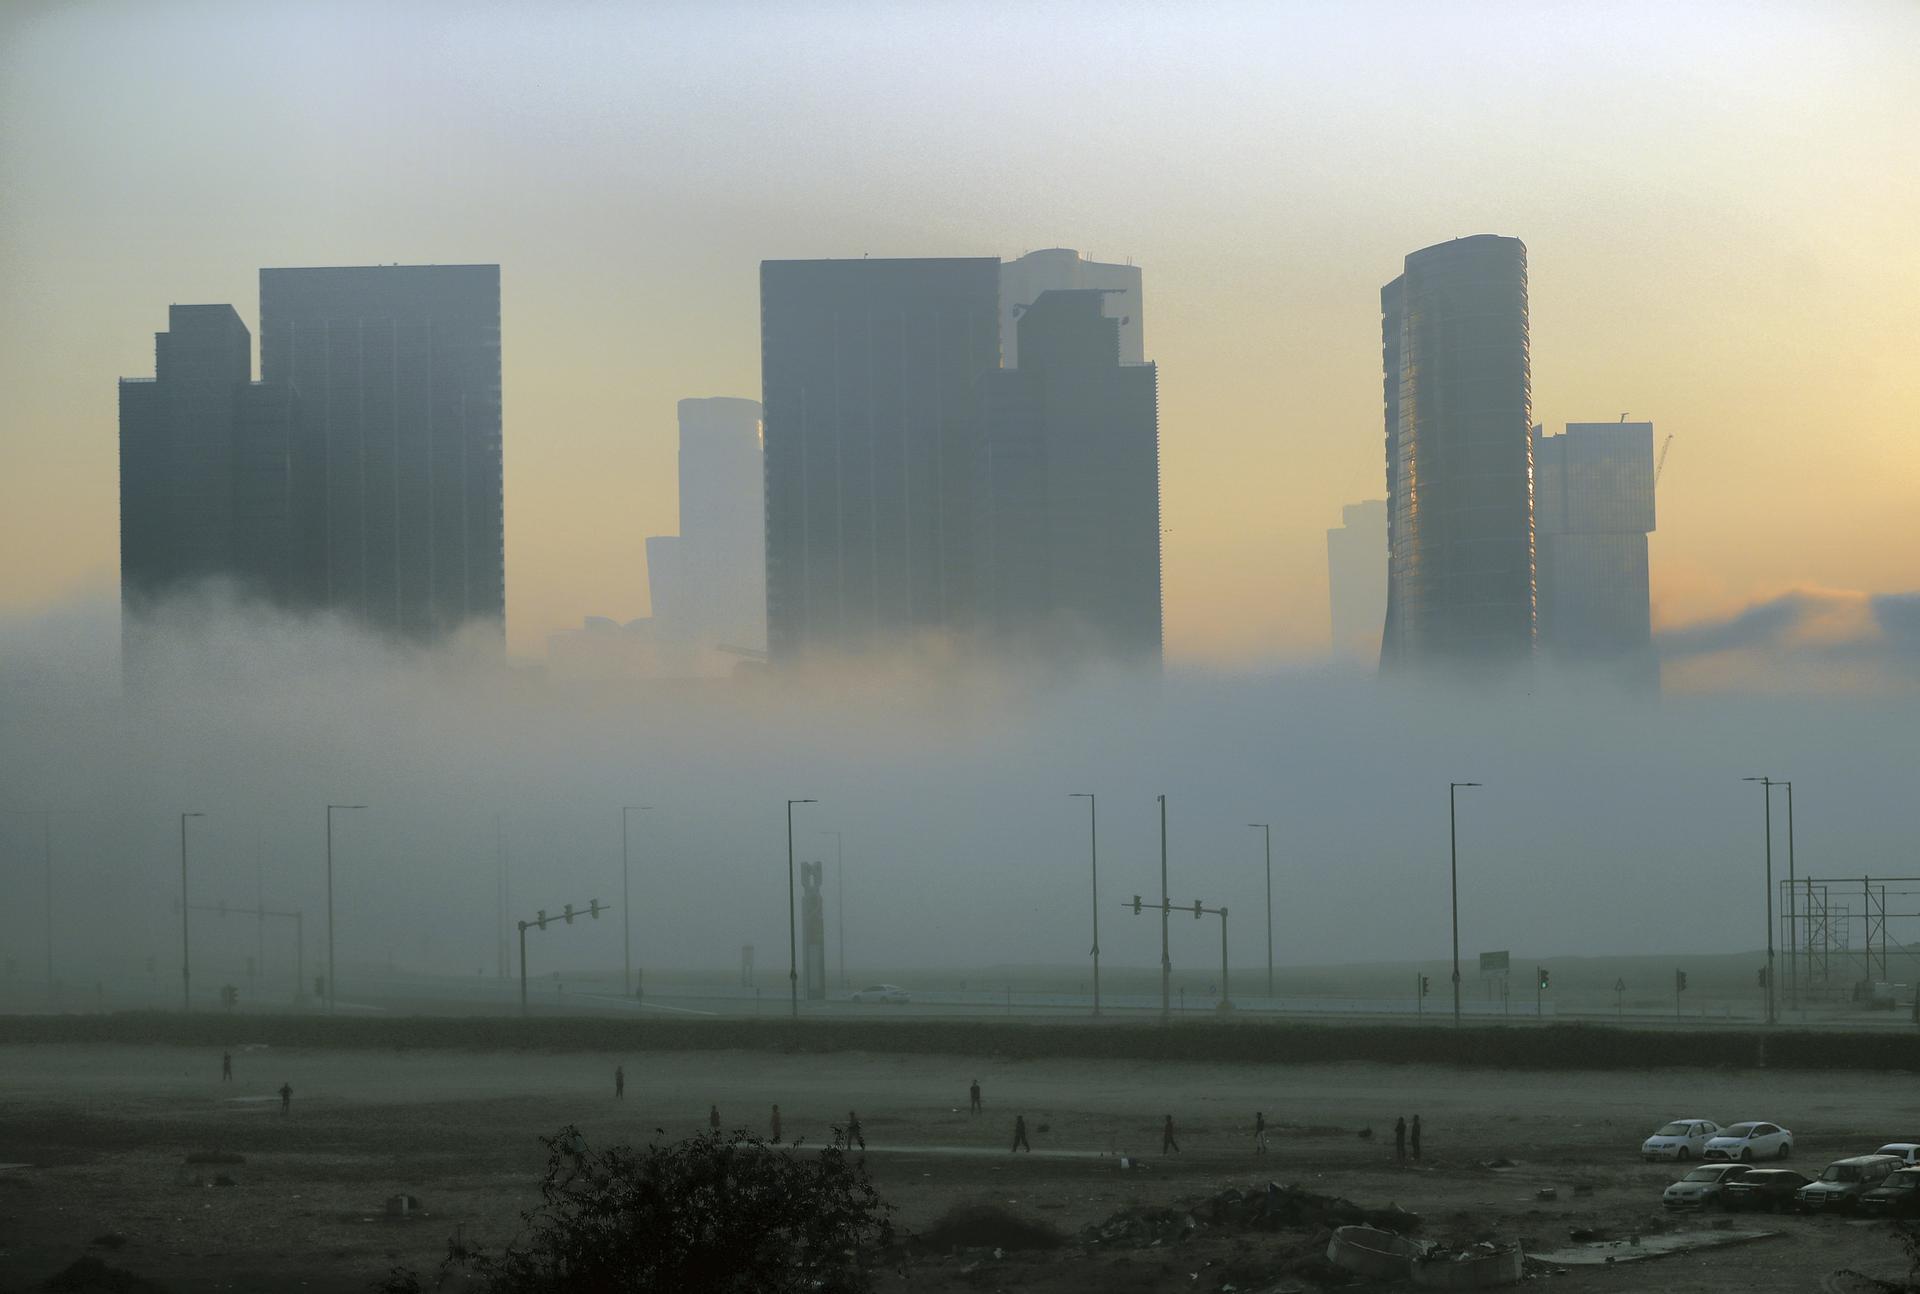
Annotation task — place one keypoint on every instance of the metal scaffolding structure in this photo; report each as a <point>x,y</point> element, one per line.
<point>1819,930</point>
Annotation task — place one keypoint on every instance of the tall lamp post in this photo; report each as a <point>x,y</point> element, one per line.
<point>1268,828</point>
<point>1766,799</point>
<point>1166,962</point>
<point>330,973</point>
<point>840,897</point>
<point>1453,853</point>
<point>1093,849</point>
<point>186,976</point>
<point>626,917</point>
<point>1793,926</point>
<point>793,934</point>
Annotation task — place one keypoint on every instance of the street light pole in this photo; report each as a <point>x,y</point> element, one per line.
<point>1793,925</point>
<point>793,934</point>
<point>330,972</point>
<point>1166,962</point>
<point>1766,799</point>
<point>1093,849</point>
<point>1268,828</point>
<point>46,851</point>
<point>186,977</point>
<point>626,919</point>
<point>1453,853</point>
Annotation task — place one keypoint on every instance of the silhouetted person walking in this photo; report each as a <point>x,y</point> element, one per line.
<point>776,1123</point>
<point>1020,1134</point>
<point>1416,1136</point>
<point>713,1118</point>
<point>1400,1138</point>
<point>1259,1132</point>
<point>1167,1143</point>
<point>226,1067</point>
<point>619,1082</point>
<point>973,1097</point>
<point>286,1097</point>
<point>853,1132</point>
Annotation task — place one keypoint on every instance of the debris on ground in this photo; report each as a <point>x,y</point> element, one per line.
<point>1274,1208</point>
<point>988,1226</point>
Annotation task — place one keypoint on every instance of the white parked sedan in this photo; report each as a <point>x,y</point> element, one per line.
<point>883,993</point>
<point>1748,1142</point>
<point>1908,1151</point>
<point>1681,1139</point>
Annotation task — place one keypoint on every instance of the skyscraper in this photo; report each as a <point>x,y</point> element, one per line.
<point>1062,269</point>
<point>1357,580</point>
<point>870,372</point>
<point>1593,508</point>
<point>1459,456</point>
<point>723,530</point>
<point>1068,523</point>
<point>397,486</point>
<point>205,466</point>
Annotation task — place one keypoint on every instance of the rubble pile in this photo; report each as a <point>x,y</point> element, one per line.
<point>1275,1208</point>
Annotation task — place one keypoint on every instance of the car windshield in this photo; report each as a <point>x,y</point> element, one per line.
<point>1704,1175</point>
<point>1673,1130</point>
<point>1840,1173</point>
<point>1903,1182</point>
<point>1739,1130</point>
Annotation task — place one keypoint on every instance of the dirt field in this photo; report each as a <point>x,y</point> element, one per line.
<point>105,1131</point>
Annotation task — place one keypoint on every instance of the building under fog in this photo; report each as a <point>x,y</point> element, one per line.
<point>707,585</point>
<point>397,499</point>
<point>1460,533</point>
<point>1357,580</point>
<point>1593,510</point>
<point>1068,523</point>
<point>1060,269</point>
<point>206,466</point>
<point>870,374</point>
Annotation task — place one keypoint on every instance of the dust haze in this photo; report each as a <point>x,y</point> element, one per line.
<point>1607,823</point>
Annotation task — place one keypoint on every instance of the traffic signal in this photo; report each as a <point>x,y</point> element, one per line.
<point>1136,905</point>
<point>540,918</point>
<point>1679,981</point>
<point>593,909</point>
<point>1763,977</point>
<point>569,914</point>
<point>1426,985</point>
<point>1196,909</point>
<point>1545,978</point>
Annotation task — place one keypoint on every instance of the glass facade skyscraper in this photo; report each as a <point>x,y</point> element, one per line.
<point>1458,388</point>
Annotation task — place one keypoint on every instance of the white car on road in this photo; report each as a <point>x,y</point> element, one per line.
<point>1749,1142</point>
<point>1681,1139</point>
<point>883,993</point>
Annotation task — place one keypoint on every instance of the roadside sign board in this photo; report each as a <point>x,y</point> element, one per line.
<point>1493,963</point>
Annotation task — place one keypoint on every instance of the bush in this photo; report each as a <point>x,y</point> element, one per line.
<point>733,1215</point>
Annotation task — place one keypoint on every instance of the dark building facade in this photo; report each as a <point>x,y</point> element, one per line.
<point>205,466</point>
<point>397,487</point>
<point>1357,580</point>
<point>1593,509</point>
<point>870,374</point>
<point>1458,387</point>
<point>1068,502</point>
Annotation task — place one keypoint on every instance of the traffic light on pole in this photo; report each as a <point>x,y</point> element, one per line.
<point>1196,909</point>
<point>1426,985</point>
<point>569,914</point>
<point>593,909</point>
<point>1545,979</point>
<point>1136,905</point>
<point>540,918</point>
<point>1679,981</point>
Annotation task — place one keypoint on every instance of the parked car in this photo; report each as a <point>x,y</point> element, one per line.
<point>1681,1139</point>
<point>1747,1142</point>
<point>1907,1151</point>
<point>1843,1183</point>
<point>1702,1186</point>
<point>883,993</point>
<point>1896,1197</point>
<point>1769,1189</point>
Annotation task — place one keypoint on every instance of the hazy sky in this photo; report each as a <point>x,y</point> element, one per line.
<point>1720,202</point>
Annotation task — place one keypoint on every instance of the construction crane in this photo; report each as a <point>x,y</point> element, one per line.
<point>1661,465</point>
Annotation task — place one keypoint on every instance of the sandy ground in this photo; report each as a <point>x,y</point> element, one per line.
<point>104,1132</point>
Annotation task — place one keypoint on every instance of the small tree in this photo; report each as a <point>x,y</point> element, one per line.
<point>729,1214</point>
